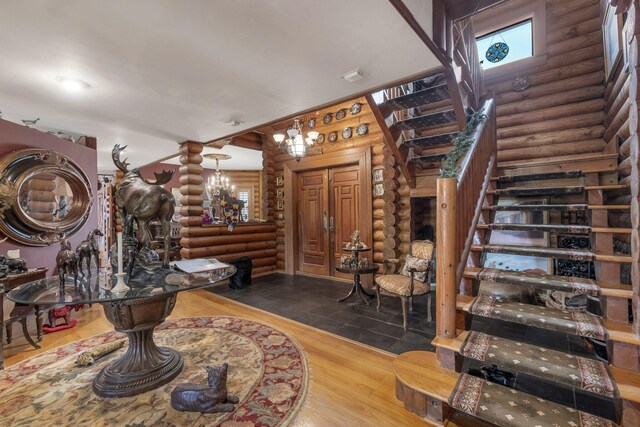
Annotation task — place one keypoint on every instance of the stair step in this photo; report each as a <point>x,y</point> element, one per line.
<point>505,407</point>
<point>573,207</point>
<point>556,253</point>
<point>428,120</point>
<point>573,371</point>
<point>421,97</point>
<point>569,322</point>
<point>576,285</point>
<point>537,176</point>
<point>538,191</point>
<point>428,162</point>
<point>554,228</point>
<point>428,82</point>
<point>430,141</point>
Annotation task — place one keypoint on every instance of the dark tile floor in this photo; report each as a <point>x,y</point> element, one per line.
<point>313,301</point>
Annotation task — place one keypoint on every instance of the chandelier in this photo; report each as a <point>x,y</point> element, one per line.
<point>296,144</point>
<point>217,182</point>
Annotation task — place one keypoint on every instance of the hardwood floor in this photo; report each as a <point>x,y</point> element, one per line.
<point>351,384</point>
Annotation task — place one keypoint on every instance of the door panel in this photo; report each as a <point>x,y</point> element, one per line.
<point>313,208</point>
<point>344,208</point>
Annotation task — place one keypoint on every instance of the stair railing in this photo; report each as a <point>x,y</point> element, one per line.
<point>459,205</point>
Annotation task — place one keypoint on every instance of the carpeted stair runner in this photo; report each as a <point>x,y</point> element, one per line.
<point>576,285</point>
<point>547,228</point>
<point>430,141</point>
<point>570,208</point>
<point>421,97</point>
<point>571,254</point>
<point>538,191</point>
<point>539,176</point>
<point>573,371</point>
<point>568,322</point>
<point>506,407</point>
<point>427,120</point>
<point>427,162</point>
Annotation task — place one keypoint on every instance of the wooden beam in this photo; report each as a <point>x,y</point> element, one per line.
<point>390,141</point>
<point>460,9</point>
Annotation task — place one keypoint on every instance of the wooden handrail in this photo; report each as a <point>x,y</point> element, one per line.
<point>466,160</point>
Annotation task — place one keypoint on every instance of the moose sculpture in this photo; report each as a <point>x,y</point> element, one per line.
<point>67,262</point>
<point>205,399</point>
<point>143,201</point>
<point>87,249</point>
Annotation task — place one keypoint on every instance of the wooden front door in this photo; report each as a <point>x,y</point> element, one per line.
<point>328,213</point>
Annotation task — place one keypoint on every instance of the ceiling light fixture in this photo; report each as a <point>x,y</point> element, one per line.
<point>296,145</point>
<point>72,84</point>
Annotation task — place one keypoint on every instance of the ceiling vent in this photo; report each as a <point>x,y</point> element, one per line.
<point>354,75</point>
<point>233,123</point>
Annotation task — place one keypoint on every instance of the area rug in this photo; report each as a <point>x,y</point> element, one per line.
<point>267,370</point>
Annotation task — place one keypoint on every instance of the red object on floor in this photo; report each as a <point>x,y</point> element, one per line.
<point>47,329</point>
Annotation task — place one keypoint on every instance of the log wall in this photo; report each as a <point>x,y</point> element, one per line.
<point>391,222</point>
<point>561,113</point>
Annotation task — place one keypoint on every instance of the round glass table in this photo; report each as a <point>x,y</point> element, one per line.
<point>136,312</point>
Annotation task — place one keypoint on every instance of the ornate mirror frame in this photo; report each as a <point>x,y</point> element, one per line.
<point>16,169</point>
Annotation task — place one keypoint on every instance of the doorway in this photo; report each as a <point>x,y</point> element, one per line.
<point>329,211</point>
<point>318,189</point>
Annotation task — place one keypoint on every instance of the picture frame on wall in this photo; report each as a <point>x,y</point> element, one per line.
<point>280,205</point>
<point>280,215</point>
<point>378,190</point>
<point>377,175</point>
<point>280,193</point>
<point>612,39</point>
<point>279,181</point>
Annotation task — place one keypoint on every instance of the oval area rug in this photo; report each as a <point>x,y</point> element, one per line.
<point>267,371</point>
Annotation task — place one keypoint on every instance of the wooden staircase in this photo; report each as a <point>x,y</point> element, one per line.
<point>467,341</point>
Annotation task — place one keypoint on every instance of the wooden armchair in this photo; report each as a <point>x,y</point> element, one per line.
<point>415,278</point>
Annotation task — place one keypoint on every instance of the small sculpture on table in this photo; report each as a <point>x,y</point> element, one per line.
<point>205,399</point>
<point>88,249</point>
<point>356,243</point>
<point>67,262</point>
<point>13,265</point>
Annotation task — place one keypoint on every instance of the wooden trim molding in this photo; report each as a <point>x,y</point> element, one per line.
<point>360,156</point>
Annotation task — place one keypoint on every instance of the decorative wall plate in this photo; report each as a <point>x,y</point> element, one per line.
<point>333,137</point>
<point>311,123</point>
<point>346,133</point>
<point>520,83</point>
<point>327,118</point>
<point>320,139</point>
<point>363,129</point>
<point>355,108</point>
<point>341,114</point>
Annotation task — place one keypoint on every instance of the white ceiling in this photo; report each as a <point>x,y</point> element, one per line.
<point>241,158</point>
<point>165,71</point>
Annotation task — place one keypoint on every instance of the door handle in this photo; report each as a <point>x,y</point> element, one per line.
<point>324,223</point>
<point>331,224</point>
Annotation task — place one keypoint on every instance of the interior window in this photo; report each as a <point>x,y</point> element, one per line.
<point>244,196</point>
<point>506,45</point>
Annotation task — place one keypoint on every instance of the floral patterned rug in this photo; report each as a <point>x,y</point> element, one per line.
<point>267,371</point>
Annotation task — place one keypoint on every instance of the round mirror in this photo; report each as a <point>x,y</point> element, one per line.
<point>51,197</point>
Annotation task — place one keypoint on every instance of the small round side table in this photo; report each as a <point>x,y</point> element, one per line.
<point>357,271</point>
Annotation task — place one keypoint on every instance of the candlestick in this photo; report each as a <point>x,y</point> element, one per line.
<point>119,234</point>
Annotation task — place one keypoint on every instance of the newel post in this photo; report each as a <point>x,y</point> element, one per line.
<point>446,286</point>
<point>191,189</point>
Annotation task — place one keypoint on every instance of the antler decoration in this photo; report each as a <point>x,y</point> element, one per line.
<point>115,155</point>
<point>161,178</point>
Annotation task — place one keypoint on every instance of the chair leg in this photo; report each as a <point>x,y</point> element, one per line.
<point>404,312</point>
<point>377,296</point>
<point>25,331</point>
<point>429,306</point>
<point>411,304</point>
<point>9,328</point>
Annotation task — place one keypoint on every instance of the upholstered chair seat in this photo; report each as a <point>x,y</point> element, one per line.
<point>414,280</point>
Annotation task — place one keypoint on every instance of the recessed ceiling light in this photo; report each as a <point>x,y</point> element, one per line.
<point>72,84</point>
<point>354,75</point>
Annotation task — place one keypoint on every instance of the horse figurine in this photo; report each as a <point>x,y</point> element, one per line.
<point>88,248</point>
<point>205,399</point>
<point>67,262</point>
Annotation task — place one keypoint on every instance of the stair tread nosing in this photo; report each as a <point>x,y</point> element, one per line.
<point>538,191</point>
<point>431,141</point>
<point>505,407</point>
<point>539,176</point>
<point>571,208</point>
<point>571,254</point>
<point>573,371</point>
<point>576,285</point>
<point>421,97</point>
<point>569,322</point>
<point>428,120</point>
<point>547,228</point>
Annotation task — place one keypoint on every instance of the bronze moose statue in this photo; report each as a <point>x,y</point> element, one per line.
<point>143,201</point>
<point>205,399</point>
<point>88,249</point>
<point>67,262</point>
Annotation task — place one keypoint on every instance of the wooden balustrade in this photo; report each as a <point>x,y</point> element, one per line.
<point>459,204</point>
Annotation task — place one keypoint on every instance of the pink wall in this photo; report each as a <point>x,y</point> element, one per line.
<point>15,137</point>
